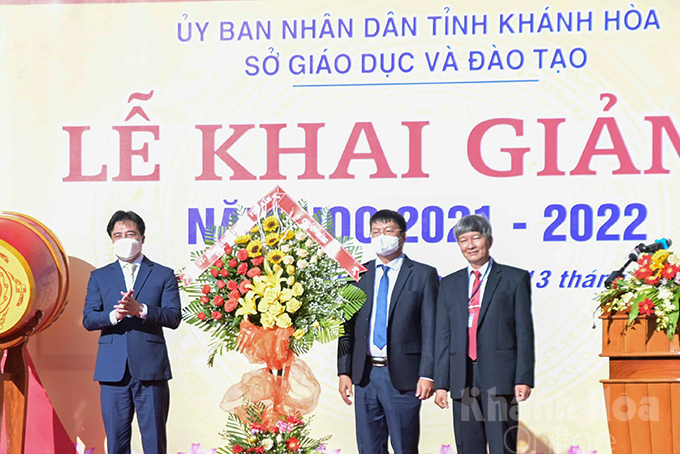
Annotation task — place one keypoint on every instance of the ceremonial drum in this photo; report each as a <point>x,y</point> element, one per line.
<point>34,274</point>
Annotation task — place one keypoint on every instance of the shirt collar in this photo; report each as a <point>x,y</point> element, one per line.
<point>394,265</point>
<point>138,261</point>
<point>482,269</point>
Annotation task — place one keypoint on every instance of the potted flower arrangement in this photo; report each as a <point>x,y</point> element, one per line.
<point>290,434</point>
<point>653,289</point>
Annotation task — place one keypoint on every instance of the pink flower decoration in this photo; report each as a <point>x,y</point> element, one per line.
<point>197,449</point>
<point>446,449</point>
<point>578,450</point>
<point>80,449</point>
<point>323,450</point>
<point>283,427</point>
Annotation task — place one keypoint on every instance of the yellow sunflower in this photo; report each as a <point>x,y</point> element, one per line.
<point>255,229</point>
<point>275,256</point>
<point>243,239</point>
<point>272,238</point>
<point>254,248</point>
<point>271,223</point>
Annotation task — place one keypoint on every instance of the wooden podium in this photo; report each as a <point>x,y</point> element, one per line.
<point>642,393</point>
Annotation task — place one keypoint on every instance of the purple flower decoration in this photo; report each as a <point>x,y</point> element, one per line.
<point>578,450</point>
<point>446,449</point>
<point>197,449</point>
<point>323,450</point>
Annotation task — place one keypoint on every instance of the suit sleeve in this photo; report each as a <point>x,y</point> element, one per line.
<point>346,345</point>
<point>94,316</point>
<point>524,374</point>
<point>428,321</point>
<point>169,313</point>
<point>442,343</point>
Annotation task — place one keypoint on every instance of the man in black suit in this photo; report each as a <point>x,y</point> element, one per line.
<point>387,350</point>
<point>485,344</point>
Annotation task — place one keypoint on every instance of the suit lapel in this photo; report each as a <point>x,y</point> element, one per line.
<point>368,282</point>
<point>494,279</point>
<point>142,275</point>
<point>117,277</point>
<point>402,277</point>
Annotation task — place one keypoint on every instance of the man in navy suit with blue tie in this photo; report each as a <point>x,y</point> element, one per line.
<point>387,350</point>
<point>130,301</point>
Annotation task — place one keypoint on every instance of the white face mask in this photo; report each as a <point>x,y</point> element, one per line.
<point>385,245</point>
<point>127,248</point>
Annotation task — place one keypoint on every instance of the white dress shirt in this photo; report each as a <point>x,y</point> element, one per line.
<point>484,270</point>
<point>138,262</point>
<point>394,267</point>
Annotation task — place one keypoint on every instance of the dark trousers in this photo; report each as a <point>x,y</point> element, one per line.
<point>151,400</point>
<point>482,417</point>
<point>382,410</point>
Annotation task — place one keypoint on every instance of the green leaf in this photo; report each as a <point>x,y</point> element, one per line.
<point>672,324</point>
<point>635,308</point>
<point>353,298</point>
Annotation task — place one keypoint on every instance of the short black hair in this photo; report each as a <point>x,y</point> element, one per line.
<point>126,216</point>
<point>387,216</point>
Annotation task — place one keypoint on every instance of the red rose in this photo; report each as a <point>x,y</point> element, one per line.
<point>205,299</point>
<point>219,263</point>
<point>258,450</point>
<point>227,249</point>
<point>259,427</point>
<point>242,255</point>
<point>646,307</point>
<point>238,449</point>
<point>224,272</point>
<point>242,287</point>
<point>257,261</point>
<point>292,419</point>
<point>216,315</point>
<point>215,272</point>
<point>232,285</point>
<point>293,444</point>
<point>254,272</point>
<point>206,289</point>
<point>201,316</point>
<point>218,300</point>
<point>221,284</point>
<point>242,268</point>
<point>230,305</point>
<point>234,294</point>
<point>274,429</point>
<point>233,263</point>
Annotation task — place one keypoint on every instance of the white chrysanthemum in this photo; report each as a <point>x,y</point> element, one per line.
<point>300,235</point>
<point>302,252</point>
<point>301,264</point>
<point>288,260</point>
<point>285,248</point>
<point>267,444</point>
<point>673,259</point>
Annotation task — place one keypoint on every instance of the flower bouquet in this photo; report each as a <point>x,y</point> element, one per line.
<point>652,289</point>
<point>274,276</point>
<point>269,285</point>
<point>289,434</point>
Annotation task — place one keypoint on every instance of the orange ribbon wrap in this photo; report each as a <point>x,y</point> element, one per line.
<point>293,389</point>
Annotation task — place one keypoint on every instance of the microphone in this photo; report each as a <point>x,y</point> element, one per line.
<point>663,243</point>
<point>657,245</point>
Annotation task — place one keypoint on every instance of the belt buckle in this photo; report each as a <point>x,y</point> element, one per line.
<point>378,362</point>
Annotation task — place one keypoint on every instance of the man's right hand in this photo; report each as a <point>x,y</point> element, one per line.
<point>441,398</point>
<point>345,389</point>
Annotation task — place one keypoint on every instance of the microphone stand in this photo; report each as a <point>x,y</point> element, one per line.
<point>632,257</point>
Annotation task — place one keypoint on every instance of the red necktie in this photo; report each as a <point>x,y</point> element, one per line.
<point>473,318</point>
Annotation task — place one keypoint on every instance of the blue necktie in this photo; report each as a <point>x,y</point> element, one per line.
<point>380,327</point>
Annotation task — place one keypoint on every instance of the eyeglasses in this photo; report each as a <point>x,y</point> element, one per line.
<point>389,231</point>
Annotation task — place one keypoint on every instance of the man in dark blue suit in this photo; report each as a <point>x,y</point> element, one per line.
<point>387,350</point>
<point>130,301</point>
<point>485,344</point>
